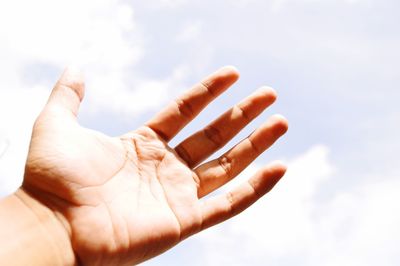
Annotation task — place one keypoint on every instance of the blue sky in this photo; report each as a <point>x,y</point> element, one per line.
<point>335,66</point>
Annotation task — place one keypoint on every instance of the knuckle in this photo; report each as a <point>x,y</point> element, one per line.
<point>231,201</point>
<point>243,113</point>
<point>76,86</point>
<point>184,155</point>
<point>227,165</point>
<point>207,87</point>
<point>254,147</point>
<point>184,108</point>
<point>214,135</point>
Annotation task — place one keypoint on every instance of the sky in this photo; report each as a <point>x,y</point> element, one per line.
<point>334,64</point>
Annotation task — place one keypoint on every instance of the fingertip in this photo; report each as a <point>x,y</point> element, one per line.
<point>221,80</point>
<point>267,93</point>
<point>68,92</point>
<point>230,71</point>
<point>281,124</point>
<point>267,177</point>
<point>279,168</point>
<point>73,78</point>
<point>73,72</point>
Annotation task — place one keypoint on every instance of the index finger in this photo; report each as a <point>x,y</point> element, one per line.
<point>182,110</point>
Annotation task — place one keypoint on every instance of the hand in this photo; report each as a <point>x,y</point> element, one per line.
<point>125,199</point>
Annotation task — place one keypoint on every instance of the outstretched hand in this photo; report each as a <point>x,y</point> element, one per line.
<point>125,199</point>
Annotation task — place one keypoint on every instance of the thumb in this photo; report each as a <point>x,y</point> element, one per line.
<point>68,91</point>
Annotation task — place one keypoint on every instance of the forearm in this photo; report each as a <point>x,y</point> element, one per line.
<point>31,234</point>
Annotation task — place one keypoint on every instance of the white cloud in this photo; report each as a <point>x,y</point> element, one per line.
<point>67,31</point>
<point>290,226</point>
<point>113,93</point>
<point>18,111</point>
<point>190,32</point>
<point>279,224</point>
<point>279,5</point>
<point>363,225</point>
<point>101,37</point>
<point>167,3</point>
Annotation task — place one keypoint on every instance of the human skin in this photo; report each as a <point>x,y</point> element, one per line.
<point>91,199</point>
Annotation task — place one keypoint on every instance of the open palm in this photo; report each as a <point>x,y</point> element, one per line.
<point>126,199</point>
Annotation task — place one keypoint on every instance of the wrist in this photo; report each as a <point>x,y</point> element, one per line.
<point>34,234</point>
